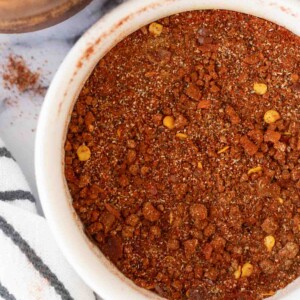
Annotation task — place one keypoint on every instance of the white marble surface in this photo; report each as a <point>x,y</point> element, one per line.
<point>43,50</point>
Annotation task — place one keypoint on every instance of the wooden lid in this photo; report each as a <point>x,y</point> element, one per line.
<point>29,15</point>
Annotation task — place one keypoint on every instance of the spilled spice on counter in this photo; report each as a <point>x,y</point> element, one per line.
<point>18,75</point>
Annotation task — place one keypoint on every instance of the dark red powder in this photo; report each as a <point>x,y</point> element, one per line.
<point>176,172</point>
<point>18,75</point>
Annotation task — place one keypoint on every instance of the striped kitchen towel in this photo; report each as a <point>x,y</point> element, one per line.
<point>31,265</point>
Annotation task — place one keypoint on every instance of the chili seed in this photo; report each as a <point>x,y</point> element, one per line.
<point>247,270</point>
<point>169,122</point>
<point>255,170</point>
<point>260,88</point>
<point>181,136</point>
<point>155,29</point>
<point>271,116</point>
<point>83,153</point>
<point>269,242</point>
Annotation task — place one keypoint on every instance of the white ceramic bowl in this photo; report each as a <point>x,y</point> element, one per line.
<point>86,259</point>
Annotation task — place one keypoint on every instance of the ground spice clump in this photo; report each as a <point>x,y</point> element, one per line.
<point>17,74</point>
<point>183,156</point>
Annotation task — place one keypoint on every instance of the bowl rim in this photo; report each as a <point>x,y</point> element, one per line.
<point>82,255</point>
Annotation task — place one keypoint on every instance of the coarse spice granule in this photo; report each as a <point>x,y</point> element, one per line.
<point>183,156</point>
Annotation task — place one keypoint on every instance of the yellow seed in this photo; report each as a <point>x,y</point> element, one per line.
<point>171,218</point>
<point>280,200</point>
<point>255,170</point>
<point>268,294</point>
<point>119,132</point>
<point>150,74</point>
<point>181,136</point>
<point>238,272</point>
<point>168,122</point>
<point>247,270</point>
<point>200,166</point>
<point>286,133</point>
<point>156,28</point>
<point>83,153</point>
<point>223,150</point>
<point>269,242</point>
<point>271,116</point>
<point>260,88</point>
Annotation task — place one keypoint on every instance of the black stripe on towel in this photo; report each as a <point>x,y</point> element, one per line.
<point>35,260</point>
<point>110,4</point>
<point>5,294</point>
<point>5,153</point>
<point>16,195</point>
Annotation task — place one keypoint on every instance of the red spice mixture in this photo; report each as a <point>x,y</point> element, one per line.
<point>17,74</point>
<point>183,156</point>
